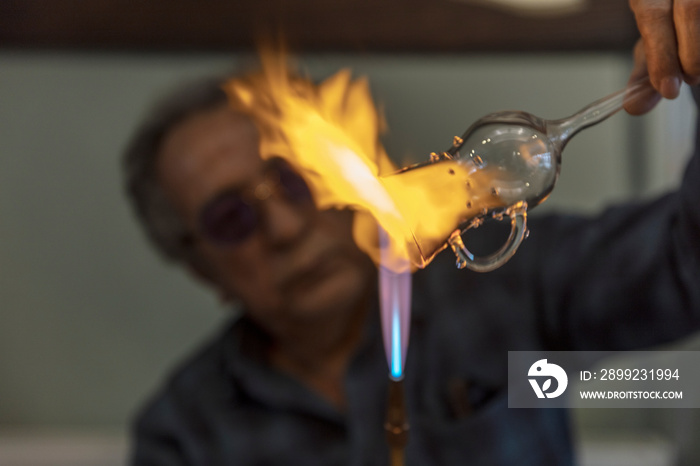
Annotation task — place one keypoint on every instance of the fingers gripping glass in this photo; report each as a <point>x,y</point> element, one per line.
<point>234,215</point>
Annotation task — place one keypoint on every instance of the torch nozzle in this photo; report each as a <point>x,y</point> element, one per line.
<point>396,424</point>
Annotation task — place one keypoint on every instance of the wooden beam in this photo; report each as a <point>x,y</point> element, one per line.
<point>397,26</point>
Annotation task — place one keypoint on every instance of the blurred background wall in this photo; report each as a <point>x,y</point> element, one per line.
<point>91,320</point>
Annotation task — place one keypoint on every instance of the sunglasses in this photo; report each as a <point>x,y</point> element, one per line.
<point>232,216</point>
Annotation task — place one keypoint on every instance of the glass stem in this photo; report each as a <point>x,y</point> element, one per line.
<point>560,131</point>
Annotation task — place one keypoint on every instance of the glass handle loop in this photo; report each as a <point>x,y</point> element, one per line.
<point>518,231</point>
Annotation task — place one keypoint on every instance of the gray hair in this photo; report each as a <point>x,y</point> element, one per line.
<point>161,222</point>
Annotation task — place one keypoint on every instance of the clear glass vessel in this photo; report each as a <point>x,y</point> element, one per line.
<point>505,164</point>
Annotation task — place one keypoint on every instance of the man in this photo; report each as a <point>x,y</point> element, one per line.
<point>301,377</point>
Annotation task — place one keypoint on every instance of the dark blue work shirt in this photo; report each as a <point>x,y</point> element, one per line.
<point>627,279</point>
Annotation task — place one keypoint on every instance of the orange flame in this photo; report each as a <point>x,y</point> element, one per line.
<point>330,133</point>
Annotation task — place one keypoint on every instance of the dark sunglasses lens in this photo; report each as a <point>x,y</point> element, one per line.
<point>228,219</point>
<point>293,185</point>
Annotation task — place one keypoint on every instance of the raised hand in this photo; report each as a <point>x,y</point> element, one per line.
<point>669,49</point>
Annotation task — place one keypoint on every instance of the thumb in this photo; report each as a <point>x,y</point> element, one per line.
<point>646,100</point>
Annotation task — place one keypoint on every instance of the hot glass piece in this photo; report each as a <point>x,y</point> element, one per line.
<point>507,163</point>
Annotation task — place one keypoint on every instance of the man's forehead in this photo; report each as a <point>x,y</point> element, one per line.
<point>208,135</point>
<point>209,151</point>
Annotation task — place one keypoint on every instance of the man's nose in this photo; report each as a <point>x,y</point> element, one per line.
<point>284,221</point>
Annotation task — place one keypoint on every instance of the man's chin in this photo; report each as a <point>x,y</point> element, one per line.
<point>336,294</point>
